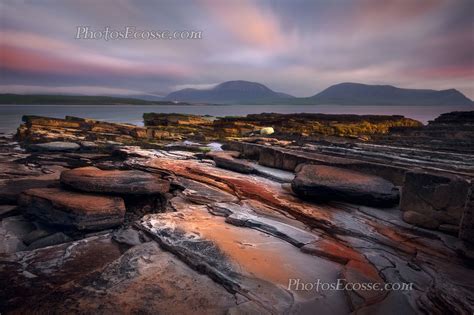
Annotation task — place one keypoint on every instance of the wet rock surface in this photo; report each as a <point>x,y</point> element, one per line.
<point>358,243</point>
<point>323,183</point>
<point>180,232</point>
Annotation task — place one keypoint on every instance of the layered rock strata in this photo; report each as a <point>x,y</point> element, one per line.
<point>92,179</point>
<point>65,208</point>
<point>173,127</point>
<point>38,129</point>
<point>450,132</point>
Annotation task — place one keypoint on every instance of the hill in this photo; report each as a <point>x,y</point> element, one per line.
<point>230,92</point>
<point>363,94</point>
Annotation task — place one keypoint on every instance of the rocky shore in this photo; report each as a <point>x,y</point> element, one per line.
<point>205,215</point>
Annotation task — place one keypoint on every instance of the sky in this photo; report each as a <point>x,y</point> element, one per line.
<point>298,47</point>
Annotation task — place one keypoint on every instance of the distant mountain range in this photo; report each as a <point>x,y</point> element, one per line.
<point>253,93</point>
<point>230,92</point>
<point>244,92</point>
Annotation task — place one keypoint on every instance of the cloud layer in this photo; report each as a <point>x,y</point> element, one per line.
<point>298,47</point>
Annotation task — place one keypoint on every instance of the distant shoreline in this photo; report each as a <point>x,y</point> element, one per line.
<point>84,100</point>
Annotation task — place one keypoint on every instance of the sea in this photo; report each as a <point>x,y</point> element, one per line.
<point>10,115</point>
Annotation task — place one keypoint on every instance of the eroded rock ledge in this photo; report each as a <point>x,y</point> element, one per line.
<point>175,127</point>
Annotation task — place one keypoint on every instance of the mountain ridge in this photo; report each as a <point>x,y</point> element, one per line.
<point>350,93</point>
<point>346,93</point>
<point>242,92</point>
<point>228,92</point>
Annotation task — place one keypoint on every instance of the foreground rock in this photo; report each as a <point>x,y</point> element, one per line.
<point>97,276</point>
<point>92,179</point>
<point>11,188</point>
<point>372,244</point>
<point>434,201</point>
<point>71,209</point>
<point>246,261</point>
<point>324,183</point>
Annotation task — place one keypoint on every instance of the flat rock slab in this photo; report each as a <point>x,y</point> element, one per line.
<point>73,209</point>
<point>10,189</point>
<point>242,216</point>
<point>92,179</point>
<point>33,275</point>
<point>93,274</point>
<point>249,262</point>
<point>324,183</point>
<point>203,194</point>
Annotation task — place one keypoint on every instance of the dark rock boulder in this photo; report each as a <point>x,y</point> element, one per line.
<point>324,183</point>
<point>92,179</point>
<point>73,209</point>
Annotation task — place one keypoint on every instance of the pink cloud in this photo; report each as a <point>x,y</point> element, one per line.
<point>247,22</point>
<point>33,53</point>
<point>372,13</point>
<point>445,72</point>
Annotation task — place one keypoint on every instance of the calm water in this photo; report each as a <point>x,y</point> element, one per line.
<point>10,115</point>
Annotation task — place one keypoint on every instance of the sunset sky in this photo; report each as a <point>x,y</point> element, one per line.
<point>297,47</point>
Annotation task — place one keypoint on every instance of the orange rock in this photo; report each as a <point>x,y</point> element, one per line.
<point>92,179</point>
<point>332,250</point>
<point>67,208</point>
